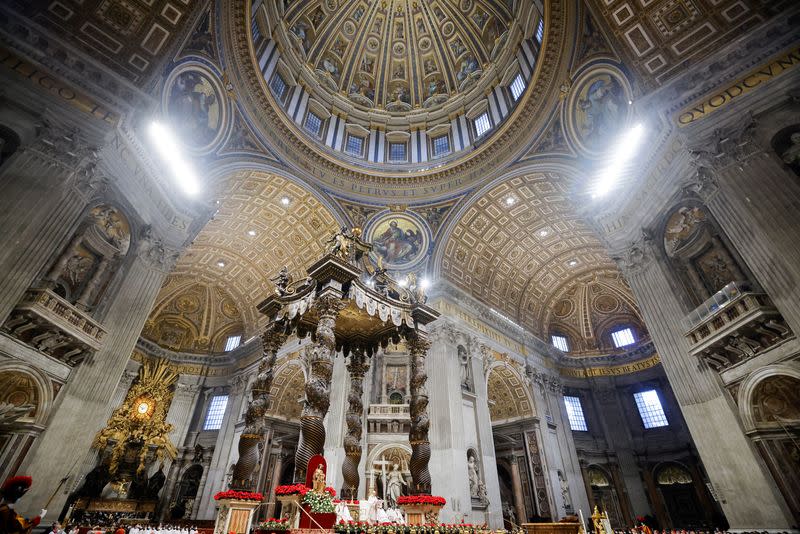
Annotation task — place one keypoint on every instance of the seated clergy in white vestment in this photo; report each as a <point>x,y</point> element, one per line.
<point>343,513</point>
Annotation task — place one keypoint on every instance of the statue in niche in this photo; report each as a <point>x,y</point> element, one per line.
<point>508,514</point>
<point>394,485</point>
<point>474,477</point>
<point>77,267</point>
<point>155,483</point>
<point>199,452</point>
<point>562,480</point>
<point>466,378</point>
<point>319,480</point>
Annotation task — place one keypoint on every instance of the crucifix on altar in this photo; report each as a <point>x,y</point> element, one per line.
<point>350,308</point>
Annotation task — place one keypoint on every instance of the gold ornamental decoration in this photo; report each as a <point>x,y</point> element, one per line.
<point>141,419</point>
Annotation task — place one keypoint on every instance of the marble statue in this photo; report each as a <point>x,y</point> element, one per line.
<point>463,358</point>
<point>474,478</point>
<point>282,281</point>
<point>562,480</point>
<point>394,485</point>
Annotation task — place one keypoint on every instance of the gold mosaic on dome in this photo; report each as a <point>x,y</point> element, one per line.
<point>588,307</point>
<point>399,55</point>
<point>226,255</point>
<point>515,257</point>
<point>193,316</point>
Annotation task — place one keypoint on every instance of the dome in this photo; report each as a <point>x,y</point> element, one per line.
<point>401,55</point>
<point>406,84</point>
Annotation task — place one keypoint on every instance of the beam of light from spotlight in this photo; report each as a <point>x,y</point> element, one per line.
<point>623,152</point>
<point>168,149</point>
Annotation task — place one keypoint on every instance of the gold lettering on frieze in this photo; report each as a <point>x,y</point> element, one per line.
<point>42,79</point>
<point>752,80</point>
<point>614,370</point>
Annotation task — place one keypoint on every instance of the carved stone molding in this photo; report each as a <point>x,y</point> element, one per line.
<point>638,256</point>
<point>153,250</point>
<point>61,146</point>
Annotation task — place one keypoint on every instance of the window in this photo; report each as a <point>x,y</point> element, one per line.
<point>560,342</point>
<point>232,342</point>
<point>313,123</point>
<point>441,145</point>
<point>575,414</point>
<point>397,151</point>
<point>540,31</point>
<point>216,409</point>
<point>355,145</point>
<point>623,338</point>
<point>517,87</point>
<point>650,409</point>
<point>482,124</point>
<point>278,86</point>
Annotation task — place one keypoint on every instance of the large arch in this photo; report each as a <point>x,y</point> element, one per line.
<point>508,394</point>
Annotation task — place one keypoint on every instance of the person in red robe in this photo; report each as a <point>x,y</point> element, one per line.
<point>10,521</point>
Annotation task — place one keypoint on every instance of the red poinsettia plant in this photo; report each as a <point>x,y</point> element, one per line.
<point>292,489</point>
<point>239,495</point>
<point>434,500</point>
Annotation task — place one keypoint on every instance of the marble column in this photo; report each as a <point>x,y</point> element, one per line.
<point>252,435</point>
<point>755,199</point>
<point>46,188</point>
<point>335,423</point>
<point>516,484</point>
<point>750,498</point>
<point>85,398</point>
<point>418,346</point>
<point>357,366</point>
<point>318,385</point>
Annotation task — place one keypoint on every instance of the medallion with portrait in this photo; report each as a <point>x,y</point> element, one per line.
<point>195,108</point>
<point>598,109</point>
<point>398,239</point>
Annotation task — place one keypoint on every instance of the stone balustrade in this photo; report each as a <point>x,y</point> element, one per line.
<point>734,325</point>
<point>389,418</point>
<point>50,324</point>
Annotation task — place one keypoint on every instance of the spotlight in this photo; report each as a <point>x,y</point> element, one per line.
<point>573,263</point>
<point>251,233</point>
<point>542,233</point>
<point>168,148</point>
<point>403,282</point>
<point>425,283</point>
<point>220,263</point>
<point>285,201</point>
<point>510,201</point>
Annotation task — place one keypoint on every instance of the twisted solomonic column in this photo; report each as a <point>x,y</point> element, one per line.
<point>357,366</point>
<point>418,436</point>
<point>318,384</point>
<point>254,416</point>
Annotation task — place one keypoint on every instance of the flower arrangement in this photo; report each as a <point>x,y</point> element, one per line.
<point>292,489</point>
<point>422,499</point>
<point>239,495</point>
<point>359,527</point>
<point>274,524</point>
<point>320,503</point>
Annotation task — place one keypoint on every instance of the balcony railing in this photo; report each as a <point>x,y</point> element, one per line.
<point>734,325</point>
<point>50,324</point>
<point>389,411</point>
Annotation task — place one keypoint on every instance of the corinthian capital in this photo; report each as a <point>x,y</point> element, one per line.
<point>155,252</point>
<point>637,256</point>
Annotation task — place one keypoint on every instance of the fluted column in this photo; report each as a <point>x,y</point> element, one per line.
<point>88,293</point>
<point>252,435</point>
<point>755,199</point>
<point>85,398</point>
<point>357,366</point>
<point>318,385</point>
<point>46,187</point>
<point>420,423</point>
<point>748,494</point>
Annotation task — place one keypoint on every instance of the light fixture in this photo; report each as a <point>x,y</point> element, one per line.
<point>510,201</point>
<point>542,233</point>
<point>623,152</point>
<point>220,263</point>
<point>573,263</point>
<point>251,233</point>
<point>285,201</point>
<point>425,283</point>
<point>168,148</point>
<point>403,282</point>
